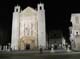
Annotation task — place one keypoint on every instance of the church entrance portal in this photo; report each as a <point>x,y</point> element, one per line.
<point>27,46</point>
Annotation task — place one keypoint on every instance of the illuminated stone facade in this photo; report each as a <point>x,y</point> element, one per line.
<point>75,31</point>
<point>28,28</point>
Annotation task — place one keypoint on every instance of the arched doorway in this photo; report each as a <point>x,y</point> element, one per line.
<point>26,43</point>
<point>27,47</point>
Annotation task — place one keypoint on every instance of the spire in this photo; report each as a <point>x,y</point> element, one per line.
<point>17,5</point>
<point>40,1</point>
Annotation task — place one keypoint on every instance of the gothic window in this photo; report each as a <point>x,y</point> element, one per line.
<point>77,20</point>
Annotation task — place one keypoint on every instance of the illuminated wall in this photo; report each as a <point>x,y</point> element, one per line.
<point>28,27</point>
<point>75,31</point>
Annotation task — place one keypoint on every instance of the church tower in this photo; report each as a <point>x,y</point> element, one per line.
<point>41,25</point>
<point>15,28</point>
<point>75,31</point>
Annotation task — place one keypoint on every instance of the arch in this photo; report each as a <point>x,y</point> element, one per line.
<point>26,41</point>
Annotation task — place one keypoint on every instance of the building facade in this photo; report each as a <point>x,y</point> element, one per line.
<point>28,28</point>
<point>75,31</point>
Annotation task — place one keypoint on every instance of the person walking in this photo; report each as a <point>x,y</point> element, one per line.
<point>41,50</point>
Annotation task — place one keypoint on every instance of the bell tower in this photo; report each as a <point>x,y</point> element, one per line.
<point>41,25</point>
<point>15,28</point>
<point>17,9</point>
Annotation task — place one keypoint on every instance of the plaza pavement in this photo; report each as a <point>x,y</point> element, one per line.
<point>47,54</point>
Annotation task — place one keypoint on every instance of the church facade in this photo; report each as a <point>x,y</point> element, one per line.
<point>28,28</point>
<point>75,31</point>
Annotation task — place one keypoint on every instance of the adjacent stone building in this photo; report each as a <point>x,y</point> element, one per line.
<point>75,31</point>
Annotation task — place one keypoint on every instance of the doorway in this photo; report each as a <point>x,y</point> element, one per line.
<point>27,46</point>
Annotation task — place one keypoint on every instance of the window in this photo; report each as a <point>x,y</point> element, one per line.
<point>76,33</point>
<point>40,8</point>
<point>31,29</point>
<point>16,10</point>
<point>26,31</point>
<point>77,20</point>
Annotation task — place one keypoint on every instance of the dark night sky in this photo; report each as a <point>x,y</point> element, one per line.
<point>57,15</point>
